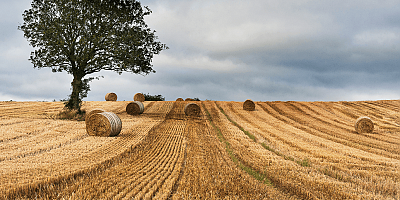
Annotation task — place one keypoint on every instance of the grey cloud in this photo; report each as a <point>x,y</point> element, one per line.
<point>235,50</point>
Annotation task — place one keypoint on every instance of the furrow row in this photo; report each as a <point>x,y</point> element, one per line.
<point>374,185</point>
<point>210,172</point>
<point>83,155</point>
<point>351,139</point>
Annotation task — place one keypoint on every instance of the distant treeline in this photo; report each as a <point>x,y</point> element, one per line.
<point>148,97</point>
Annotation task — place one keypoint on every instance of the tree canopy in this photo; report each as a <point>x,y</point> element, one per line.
<point>82,37</point>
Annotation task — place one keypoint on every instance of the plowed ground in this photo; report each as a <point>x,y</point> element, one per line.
<point>282,150</point>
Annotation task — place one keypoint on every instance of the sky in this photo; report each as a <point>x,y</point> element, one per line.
<point>233,50</point>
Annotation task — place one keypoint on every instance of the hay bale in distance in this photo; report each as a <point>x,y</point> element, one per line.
<point>94,111</point>
<point>111,97</point>
<point>135,108</point>
<point>179,99</point>
<point>364,125</point>
<point>249,105</point>
<point>106,124</point>
<point>189,99</point>
<point>139,97</point>
<point>192,110</point>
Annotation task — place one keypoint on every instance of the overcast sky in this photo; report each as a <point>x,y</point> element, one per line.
<point>264,50</point>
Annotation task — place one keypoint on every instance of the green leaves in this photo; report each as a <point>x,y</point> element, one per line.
<point>91,35</point>
<point>87,36</point>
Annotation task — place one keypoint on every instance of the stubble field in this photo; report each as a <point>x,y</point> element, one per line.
<point>282,150</point>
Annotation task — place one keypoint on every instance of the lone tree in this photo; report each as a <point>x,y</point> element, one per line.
<point>82,37</point>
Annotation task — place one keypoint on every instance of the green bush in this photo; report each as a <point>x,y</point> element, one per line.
<point>148,97</point>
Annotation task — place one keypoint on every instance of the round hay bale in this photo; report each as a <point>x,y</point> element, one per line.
<point>364,125</point>
<point>189,99</point>
<point>94,111</point>
<point>135,108</point>
<point>139,97</point>
<point>105,124</point>
<point>179,99</point>
<point>192,110</point>
<point>249,105</point>
<point>111,97</point>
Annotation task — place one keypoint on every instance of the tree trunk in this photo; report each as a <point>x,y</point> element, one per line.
<point>76,85</point>
<point>74,102</point>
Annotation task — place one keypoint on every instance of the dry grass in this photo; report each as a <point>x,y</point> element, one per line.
<point>308,150</point>
<point>71,115</point>
<point>38,151</point>
<point>323,136</point>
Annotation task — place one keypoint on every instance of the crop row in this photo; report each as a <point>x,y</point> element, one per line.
<point>354,164</point>
<point>282,150</point>
<point>61,149</point>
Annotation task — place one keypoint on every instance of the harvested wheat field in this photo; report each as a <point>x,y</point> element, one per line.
<point>281,150</point>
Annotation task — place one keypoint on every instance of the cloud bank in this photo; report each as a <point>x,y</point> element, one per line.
<point>235,50</point>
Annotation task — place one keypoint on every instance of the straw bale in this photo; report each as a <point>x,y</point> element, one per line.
<point>179,99</point>
<point>139,97</point>
<point>189,99</point>
<point>106,124</point>
<point>94,111</point>
<point>364,125</point>
<point>249,105</point>
<point>111,97</point>
<point>192,110</point>
<point>135,108</point>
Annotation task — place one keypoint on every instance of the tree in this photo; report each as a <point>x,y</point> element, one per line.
<point>148,97</point>
<point>82,37</point>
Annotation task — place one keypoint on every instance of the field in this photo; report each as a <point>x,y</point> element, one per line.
<point>282,150</point>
